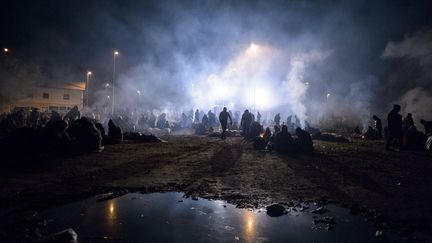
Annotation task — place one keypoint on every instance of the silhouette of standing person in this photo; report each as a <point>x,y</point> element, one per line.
<point>394,127</point>
<point>259,117</point>
<point>223,119</point>
<point>277,119</point>
<point>245,123</point>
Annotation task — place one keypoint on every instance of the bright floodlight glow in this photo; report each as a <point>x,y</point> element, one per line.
<point>89,73</point>
<point>253,49</point>
<point>264,98</point>
<point>233,84</point>
<point>5,49</point>
<point>107,85</point>
<point>116,53</point>
<point>138,92</point>
<point>328,95</point>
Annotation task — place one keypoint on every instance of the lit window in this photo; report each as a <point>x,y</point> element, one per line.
<point>66,96</point>
<point>45,95</point>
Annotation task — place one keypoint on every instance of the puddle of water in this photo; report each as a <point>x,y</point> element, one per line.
<point>160,217</point>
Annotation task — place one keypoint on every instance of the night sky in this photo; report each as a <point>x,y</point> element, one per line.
<point>67,38</point>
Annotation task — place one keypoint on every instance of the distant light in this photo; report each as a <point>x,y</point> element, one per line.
<point>108,97</point>
<point>116,53</point>
<point>253,49</point>
<point>5,49</point>
<point>328,95</point>
<point>107,85</point>
<point>89,73</point>
<point>111,208</point>
<point>138,92</point>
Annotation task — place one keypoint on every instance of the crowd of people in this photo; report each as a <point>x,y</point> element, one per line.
<point>280,139</point>
<point>86,133</point>
<point>401,133</point>
<point>34,132</point>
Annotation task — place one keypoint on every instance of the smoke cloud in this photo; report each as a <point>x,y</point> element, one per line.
<point>310,58</point>
<point>415,54</point>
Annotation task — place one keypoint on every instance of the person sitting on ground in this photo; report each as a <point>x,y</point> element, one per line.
<point>304,141</point>
<point>73,115</point>
<point>267,135</point>
<point>115,134</point>
<point>55,116</point>
<point>414,139</point>
<point>408,121</point>
<point>356,132</point>
<point>283,141</point>
<point>55,136</point>
<point>85,136</point>
<point>255,129</point>
<point>370,133</point>
<point>101,129</point>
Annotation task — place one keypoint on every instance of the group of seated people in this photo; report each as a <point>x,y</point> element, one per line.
<point>282,141</point>
<point>61,134</point>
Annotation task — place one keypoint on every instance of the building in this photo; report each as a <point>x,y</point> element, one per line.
<point>59,97</point>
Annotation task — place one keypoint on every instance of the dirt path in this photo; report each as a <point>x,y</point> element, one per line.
<point>396,187</point>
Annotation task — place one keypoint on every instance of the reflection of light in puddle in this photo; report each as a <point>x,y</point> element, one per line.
<point>111,213</point>
<point>165,219</point>
<point>249,218</point>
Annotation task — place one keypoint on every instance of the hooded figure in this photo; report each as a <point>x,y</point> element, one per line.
<point>73,115</point>
<point>283,141</point>
<point>304,141</point>
<point>115,134</point>
<point>245,123</point>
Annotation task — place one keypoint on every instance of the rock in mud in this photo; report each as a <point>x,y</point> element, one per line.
<point>275,210</point>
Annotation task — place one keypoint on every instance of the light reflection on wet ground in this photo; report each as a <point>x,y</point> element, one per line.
<point>168,217</point>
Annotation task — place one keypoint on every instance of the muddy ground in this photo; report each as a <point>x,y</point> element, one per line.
<point>394,189</point>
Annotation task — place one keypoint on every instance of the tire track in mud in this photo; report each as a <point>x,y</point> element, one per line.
<point>209,180</point>
<point>224,158</point>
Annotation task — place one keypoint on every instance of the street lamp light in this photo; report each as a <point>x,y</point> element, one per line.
<point>87,88</point>
<point>115,54</point>
<point>5,50</point>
